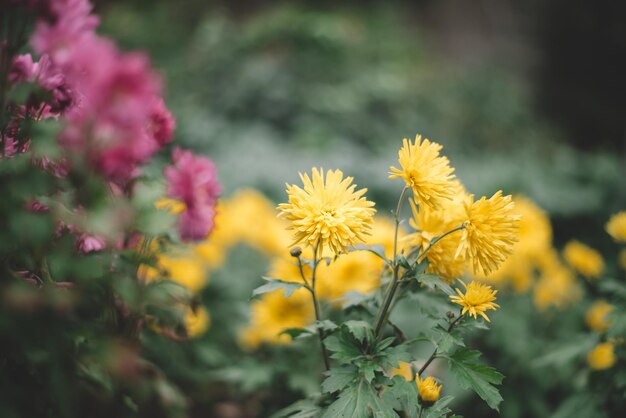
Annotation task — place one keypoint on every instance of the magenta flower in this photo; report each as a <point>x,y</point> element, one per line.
<point>193,180</point>
<point>87,243</point>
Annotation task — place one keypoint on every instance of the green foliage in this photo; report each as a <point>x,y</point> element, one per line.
<point>276,284</point>
<point>471,374</point>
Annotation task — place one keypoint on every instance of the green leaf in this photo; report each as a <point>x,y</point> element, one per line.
<point>275,284</point>
<point>353,298</point>
<point>301,409</point>
<point>471,374</point>
<point>360,401</point>
<point>448,340</point>
<point>377,249</point>
<point>338,378</point>
<point>439,409</point>
<point>297,332</point>
<point>342,348</point>
<point>361,330</point>
<point>433,281</point>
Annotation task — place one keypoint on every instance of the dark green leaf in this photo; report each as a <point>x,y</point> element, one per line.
<point>301,409</point>
<point>360,401</point>
<point>338,378</point>
<point>471,374</point>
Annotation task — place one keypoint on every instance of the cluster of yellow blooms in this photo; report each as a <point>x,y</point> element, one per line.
<point>590,264</point>
<point>328,214</point>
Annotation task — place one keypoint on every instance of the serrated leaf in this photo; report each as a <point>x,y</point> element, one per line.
<point>342,348</point>
<point>448,341</point>
<point>338,378</point>
<point>360,401</point>
<point>439,409</point>
<point>301,409</point>
<point>471,374</point>
<point>383,344</point>
<point>376,249</point>
<point>361,330</point>
<point>433,281</point>
<point>276,284</point>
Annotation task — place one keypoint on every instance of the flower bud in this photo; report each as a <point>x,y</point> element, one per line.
<point>428,390</point>
<point>450,314</point>
<point>296,252</point>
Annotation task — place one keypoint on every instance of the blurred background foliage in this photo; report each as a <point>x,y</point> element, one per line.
<point>524,96</point>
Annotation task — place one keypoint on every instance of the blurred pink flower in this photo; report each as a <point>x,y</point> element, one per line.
<point>23,69</point>
<point>162,123</point>
<point>87,243</point>
<point>193,180</point>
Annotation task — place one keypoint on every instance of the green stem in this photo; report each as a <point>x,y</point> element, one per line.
<point>421,411</point>
<point>436,240</point>
<point>316,306</point>
<point>434,354</point>
<point>391,290</point>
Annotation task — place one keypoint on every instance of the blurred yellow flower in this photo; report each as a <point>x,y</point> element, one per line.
<point>557,285</point>
<point>428,390</point>
<point>173,206</point>
<point>584,259</point>
<point>273,313</point>
<point>355,271</point>
<point>596,315</point>
<point>491,230</point>
<point>382,233</point>
<point>602,357</point>
<point>197,322</point>
<point>477,299</point>
<point>430,224</point>
<point>251,218</point>
<point>328,210</point>
<point>428,174</point>
<point>188,271</point>
<point>616,227</point>
<point>535,240</point>
<point>404,369</point>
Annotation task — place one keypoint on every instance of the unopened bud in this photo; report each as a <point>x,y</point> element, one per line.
<point>295,252</point>
<point>450,314</point>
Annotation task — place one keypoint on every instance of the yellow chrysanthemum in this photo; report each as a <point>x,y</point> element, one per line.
<point>404,369</point>
<point>477,299</point>
<point>273,313</point>
<point>557,285</point>
<point>602,357</point>
<point>535,240</point>
<point>197,322</point>
<point>584,259</point>
<point>430,224</point>
<point>428,174</point>
<point>428,390</point>
<point>616,227</point>
<point>596,315</point>
<point>329,211</point>
<point>491,230</point>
